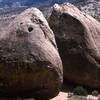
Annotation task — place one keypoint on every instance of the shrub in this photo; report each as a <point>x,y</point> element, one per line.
<point>79,90</point>
<point>95,93</point>
<point>70,95</point>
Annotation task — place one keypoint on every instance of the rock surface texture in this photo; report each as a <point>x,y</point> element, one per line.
<point>30,65</point>
<point>78,39</point>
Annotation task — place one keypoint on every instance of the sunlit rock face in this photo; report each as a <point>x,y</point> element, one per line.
<point>78,39</point>
<point>30,65</point>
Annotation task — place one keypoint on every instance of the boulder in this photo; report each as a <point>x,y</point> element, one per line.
<point>78,39</point>
<point>30,65</point>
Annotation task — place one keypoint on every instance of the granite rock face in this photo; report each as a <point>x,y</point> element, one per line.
<point>78,39</point>
<point>30,65</point>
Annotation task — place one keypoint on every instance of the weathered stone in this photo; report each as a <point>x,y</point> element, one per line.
<point>78,39</point>
<point>30,65</point>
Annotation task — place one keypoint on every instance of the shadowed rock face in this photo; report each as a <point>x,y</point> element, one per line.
<point>78,40</point>
<point>30,65</point>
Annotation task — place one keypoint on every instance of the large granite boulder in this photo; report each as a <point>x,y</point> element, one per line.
<point>78,39</point>
<point>30,65</point>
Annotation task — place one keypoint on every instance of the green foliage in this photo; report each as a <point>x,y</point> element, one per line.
<point>95,93</point>
<point>79,90</point>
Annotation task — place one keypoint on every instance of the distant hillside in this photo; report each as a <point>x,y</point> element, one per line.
<point>37,3</point>
<point>91,7</point>
<point>10,8</point>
